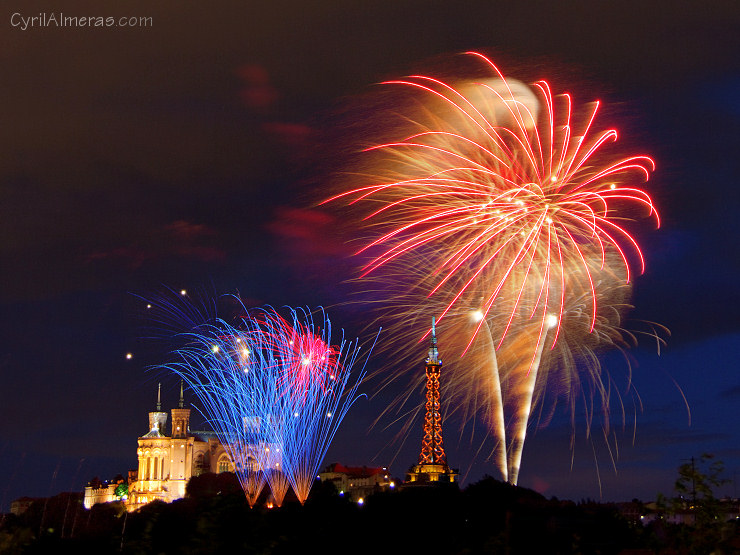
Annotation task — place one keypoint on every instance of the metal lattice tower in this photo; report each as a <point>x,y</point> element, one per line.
<point>432,449</point>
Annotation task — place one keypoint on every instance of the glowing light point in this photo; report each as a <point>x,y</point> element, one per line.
<point>129,356</point>
<point>215,349</point>
<point>183,292</point>
<point>477,315</point>
<point>551,321</point>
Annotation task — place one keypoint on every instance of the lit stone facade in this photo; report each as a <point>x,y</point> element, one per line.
<point>166,463</point>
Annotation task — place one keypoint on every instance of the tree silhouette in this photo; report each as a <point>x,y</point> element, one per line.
<point>695,500</point>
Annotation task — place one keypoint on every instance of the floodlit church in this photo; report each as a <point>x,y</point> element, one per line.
<point>166,463</point>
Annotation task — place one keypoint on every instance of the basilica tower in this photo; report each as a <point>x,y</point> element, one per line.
<point>180,418</point>
<point>157,419</point>
<point>181,454</point>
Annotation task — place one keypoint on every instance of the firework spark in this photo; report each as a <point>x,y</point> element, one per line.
<point>314,380</point>
<point>274,390</point>
<point>500,212</point>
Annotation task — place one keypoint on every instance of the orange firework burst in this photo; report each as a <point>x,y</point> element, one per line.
<point>500,213</point>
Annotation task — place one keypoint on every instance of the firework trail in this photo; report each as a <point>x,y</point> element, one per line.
<point>314,380</point>
<point>229,373</point>
<point>498,211</point>
<point>274,390</point>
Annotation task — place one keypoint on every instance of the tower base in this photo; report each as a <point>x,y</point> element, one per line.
<point>429,474</point>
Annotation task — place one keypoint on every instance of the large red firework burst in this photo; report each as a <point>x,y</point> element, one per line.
<point>307,362</point>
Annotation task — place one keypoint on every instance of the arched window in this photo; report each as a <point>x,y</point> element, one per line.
<point>199,464</point>
<point>224,464</point>
<point>155,474</point>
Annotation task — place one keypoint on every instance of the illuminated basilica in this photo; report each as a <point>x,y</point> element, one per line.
<point>166,463</point>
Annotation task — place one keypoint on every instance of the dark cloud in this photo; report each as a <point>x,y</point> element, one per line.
<point>178,239</point>
<point>289,134</point>
<point>256,91</point>
<point>306,235</point>
<point>731,392</point>
<point>187,231</point>
<point>130,257</point>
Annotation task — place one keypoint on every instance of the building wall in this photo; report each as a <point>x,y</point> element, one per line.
<point>166,463</point>
<point>21,505</point>
<point>93,496</point>
<point>357,482</point>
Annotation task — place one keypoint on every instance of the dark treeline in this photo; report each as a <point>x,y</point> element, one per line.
<point>486,517</point>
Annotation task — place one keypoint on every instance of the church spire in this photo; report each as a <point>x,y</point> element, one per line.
<point>157,419</point>
<point>181,416</point>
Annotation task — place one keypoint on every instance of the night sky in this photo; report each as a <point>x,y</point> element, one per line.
<point>188,154</point>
